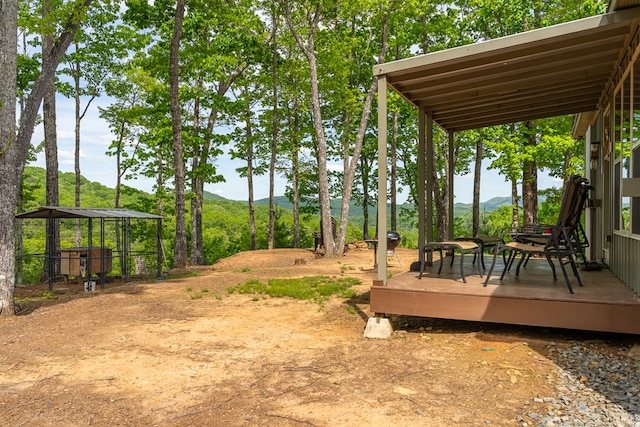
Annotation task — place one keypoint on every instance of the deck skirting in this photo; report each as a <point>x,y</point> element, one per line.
<point>603,304</point>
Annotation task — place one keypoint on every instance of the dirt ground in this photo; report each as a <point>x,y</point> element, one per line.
<point>185,352</point>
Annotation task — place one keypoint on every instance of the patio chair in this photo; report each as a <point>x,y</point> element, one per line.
<point>531,234</point>
<point>561,241</point>
<point>538,234</point>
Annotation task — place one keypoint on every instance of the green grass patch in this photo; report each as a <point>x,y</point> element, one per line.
<point>250,287</point>
<point>315,288</point>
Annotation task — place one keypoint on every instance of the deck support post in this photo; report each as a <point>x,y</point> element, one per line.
<point>378,327</point>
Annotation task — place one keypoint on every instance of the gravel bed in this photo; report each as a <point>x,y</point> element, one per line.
<point>592,389</point>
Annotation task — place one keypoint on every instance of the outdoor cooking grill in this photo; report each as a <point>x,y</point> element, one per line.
<point>393,240</point>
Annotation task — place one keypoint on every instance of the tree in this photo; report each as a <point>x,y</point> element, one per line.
<point>14,148</point>
<point>98,46</point>
<point>244,148</point>
<point>50,150</point>
<point>530,175</point>
<point>180,248</point>
<point>310,21</point>
<point>275,125</point>
<point>214,55</point>
<point>352,164</point>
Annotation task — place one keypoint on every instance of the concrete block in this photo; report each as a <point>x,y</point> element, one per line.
<point>378,327</point>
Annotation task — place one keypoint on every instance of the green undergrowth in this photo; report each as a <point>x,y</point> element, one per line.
<point>315,288</point>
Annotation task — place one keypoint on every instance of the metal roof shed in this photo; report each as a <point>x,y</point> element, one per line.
<point>53,213</point>
<point>561,69</point>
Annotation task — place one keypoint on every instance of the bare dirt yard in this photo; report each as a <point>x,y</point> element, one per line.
<point>186,352</point>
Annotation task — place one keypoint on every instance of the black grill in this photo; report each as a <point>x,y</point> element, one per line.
<point>393,240</point>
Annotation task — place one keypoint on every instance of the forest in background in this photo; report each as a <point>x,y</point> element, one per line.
<point>225,222</point>
<point>288,88</point>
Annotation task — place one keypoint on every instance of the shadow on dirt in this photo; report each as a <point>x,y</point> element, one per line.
<point>30,298</point>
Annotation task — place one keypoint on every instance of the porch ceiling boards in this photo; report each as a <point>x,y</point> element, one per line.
<point>557,70</point>
<point>602,304</point>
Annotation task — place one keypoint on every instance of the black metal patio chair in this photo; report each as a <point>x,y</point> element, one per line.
<point>561,241</point>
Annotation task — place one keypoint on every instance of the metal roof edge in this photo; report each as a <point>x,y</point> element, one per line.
<point>73,212</point>
<point>510,41</point>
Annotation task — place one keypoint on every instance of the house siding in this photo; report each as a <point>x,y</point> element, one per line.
<point>625,260</point>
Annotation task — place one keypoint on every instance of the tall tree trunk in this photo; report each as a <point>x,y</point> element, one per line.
<point>530,179</point>
<point>9,154</point>
<point>14,149</point>
<point>160,195</point>
<point>349,174</point>
<point>440,195</point>
<point>477,173</point>
<point>252,209</point>
<point>197,190</point>
<point>118,191</point>
<point>274,131</point>
<point>51,155</point>
<point>20,207</point>
<point>321,145</point>
<point>394,171</point>
<point>365,196</point>
<point>180,248</point>
<point>200,157</point>
<point>76,93</point>
<point>514,204</point>
<point>295,173</point>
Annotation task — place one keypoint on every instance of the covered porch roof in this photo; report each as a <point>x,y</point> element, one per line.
<point>557,70</point>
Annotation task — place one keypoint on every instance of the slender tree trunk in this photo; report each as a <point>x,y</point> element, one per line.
<point>252,209</point>
<point>295,173</point>
<point>200,157</point>
<point>321,145</point>
<point>197,189</point>
<point>120,173</point>
<point>76,93</point>
<point>364,168</point>
<point>14,149</point>
<point>118,191</point>
<point>440,196</point>
<point>349,174</point>
<point>51,155</point>
<point>20,207</point>
<point>394,171</point>
<point>477,173</point>
<point>274,132</point>
<point>530,180</point>
<point>514,204</point>
<point>180,248</point>
<point>9,155</point>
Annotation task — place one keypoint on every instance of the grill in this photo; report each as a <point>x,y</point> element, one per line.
<point>393,240</point>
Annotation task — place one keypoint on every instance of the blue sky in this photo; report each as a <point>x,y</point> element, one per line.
<point>95,165</point>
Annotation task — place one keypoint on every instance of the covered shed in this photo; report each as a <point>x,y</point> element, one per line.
<point>96,259</point>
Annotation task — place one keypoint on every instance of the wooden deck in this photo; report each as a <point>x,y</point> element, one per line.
<point>602,304</point>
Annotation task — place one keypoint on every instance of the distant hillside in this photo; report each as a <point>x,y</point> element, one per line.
<point>488,206</point>
<point>97,195</point>
<point>355,209</point>
<point>212,196</point>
